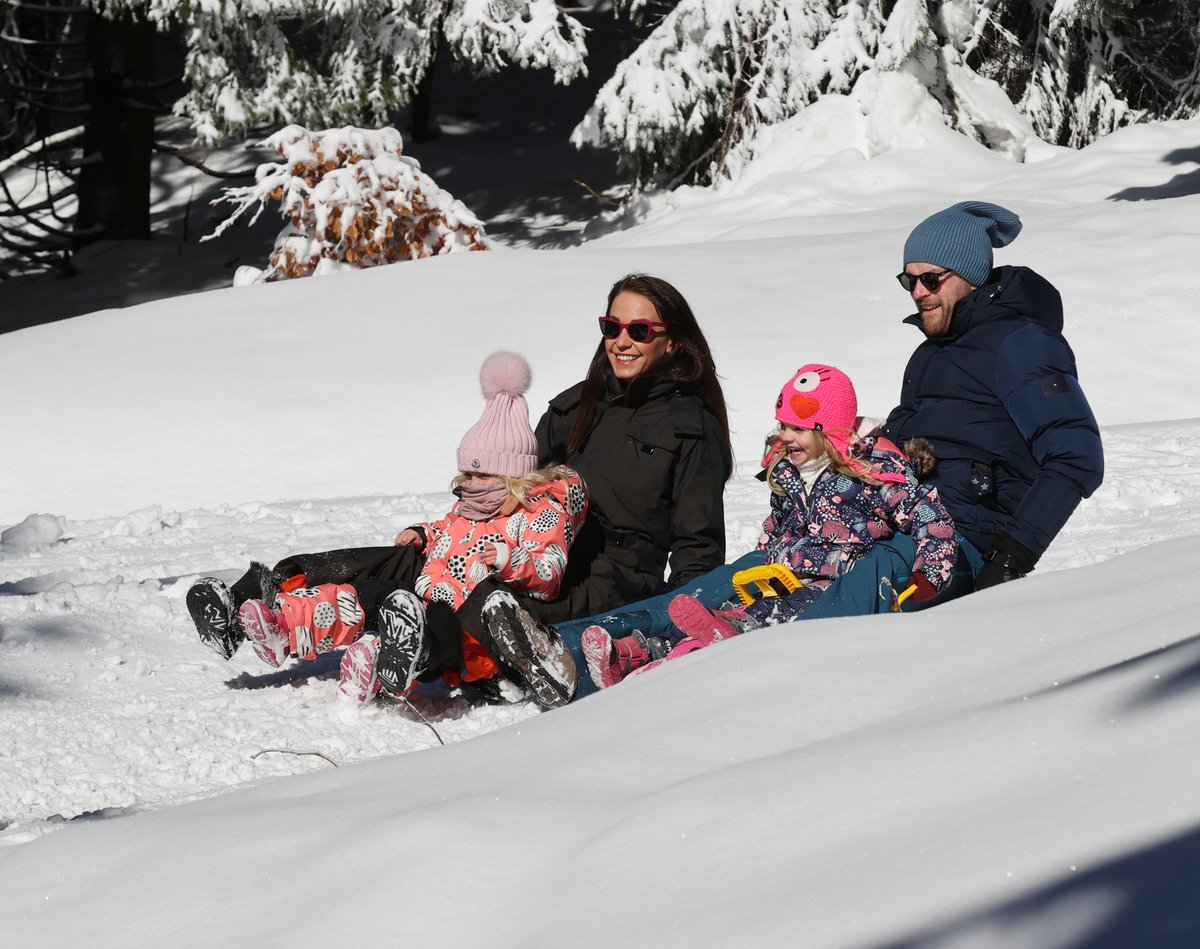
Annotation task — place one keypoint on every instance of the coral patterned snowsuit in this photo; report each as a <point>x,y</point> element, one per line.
<point>531,544</point>
<point>820,534</point>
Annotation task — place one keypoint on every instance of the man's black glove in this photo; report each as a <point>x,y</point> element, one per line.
<point>1007,560</point>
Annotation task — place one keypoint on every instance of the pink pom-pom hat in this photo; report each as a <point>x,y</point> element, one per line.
<point>501,442</point>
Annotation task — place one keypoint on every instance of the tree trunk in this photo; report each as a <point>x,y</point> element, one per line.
<point>424,127</point>
<point>114,184</point>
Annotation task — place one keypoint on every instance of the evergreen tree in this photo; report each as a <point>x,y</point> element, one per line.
<point>1082,68</point>
<point>318,63</point>
<point>246,65</point>
<point>712,71</point>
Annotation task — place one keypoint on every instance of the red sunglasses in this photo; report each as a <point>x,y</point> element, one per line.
<point>639,330</point>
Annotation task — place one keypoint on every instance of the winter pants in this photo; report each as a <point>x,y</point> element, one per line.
<point>878,577</point>
<point>869,588</point>
<point>650,615</point>
<point>374,572</point>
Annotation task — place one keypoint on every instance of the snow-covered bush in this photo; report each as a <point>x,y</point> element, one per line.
<point>247,66</point>
<point>351,197</point>
<point>1081,68</point>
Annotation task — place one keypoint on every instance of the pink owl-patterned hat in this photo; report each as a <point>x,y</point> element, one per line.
<point>501,442</point>
<point>821,398</point>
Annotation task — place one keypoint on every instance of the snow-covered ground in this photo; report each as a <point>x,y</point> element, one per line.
<point>1012,769</point>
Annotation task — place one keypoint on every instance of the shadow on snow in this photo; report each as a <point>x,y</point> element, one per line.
<point>1146,898</point>
<point>1180,186</point>
<point>1178,683</point>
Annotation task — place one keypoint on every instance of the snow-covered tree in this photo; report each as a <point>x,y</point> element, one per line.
<point>321,62</point>
<point>1082,68</point>
<point>712,71</point>
<point>79,113</point>
<point>351,197</point>
<point>248,64</point>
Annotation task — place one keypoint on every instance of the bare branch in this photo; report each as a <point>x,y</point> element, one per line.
<point>288,751</point>
<point>45,7</point>
<point>416,711</point>
<point>59,140</point>
<point>55,44</point>
<point>188,160</point>
<point>603,199</point>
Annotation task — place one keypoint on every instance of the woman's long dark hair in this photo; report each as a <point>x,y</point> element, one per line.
<point>690,363</point>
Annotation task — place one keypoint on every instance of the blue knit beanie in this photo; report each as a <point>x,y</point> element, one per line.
<point>961,239</point>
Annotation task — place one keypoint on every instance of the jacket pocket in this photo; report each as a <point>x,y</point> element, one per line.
<point>983,480</point>
<point>650,466</point>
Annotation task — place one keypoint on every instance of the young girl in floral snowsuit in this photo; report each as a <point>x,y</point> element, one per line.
<point>516,529</point>
<point>830,503</point>
<point>512,522</point>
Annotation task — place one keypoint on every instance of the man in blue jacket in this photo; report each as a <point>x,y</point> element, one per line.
<point>994,390</point>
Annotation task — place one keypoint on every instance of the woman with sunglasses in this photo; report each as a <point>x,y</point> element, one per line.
<point>648,431</point>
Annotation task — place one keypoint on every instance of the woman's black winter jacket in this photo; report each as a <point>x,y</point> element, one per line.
<point>655,462</point>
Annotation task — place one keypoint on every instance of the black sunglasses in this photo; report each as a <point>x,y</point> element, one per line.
<point>639,330</point>
<point>930,281</point>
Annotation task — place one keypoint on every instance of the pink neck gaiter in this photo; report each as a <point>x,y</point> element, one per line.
<point>480,502</point>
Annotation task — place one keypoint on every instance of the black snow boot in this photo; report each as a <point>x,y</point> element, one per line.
<point>403,647</point>
<point>535,652</point>
<point>490,692</point>
<point>211,605</point>
<point>657,646</point>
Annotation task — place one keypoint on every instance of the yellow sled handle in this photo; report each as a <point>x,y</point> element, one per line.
<point>901,597</point>
<point>760,578</point>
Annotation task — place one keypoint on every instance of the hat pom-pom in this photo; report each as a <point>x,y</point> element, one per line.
<point>505,372</point>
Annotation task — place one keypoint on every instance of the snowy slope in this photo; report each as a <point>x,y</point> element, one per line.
<point>1013,769</point>
<point>994,770</point>
<point>775,274</point>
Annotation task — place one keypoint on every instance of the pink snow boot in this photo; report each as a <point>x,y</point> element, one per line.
<point>263,627</point>
<point>698,621</point>
<point>356,677</point>
<point>610,660</point>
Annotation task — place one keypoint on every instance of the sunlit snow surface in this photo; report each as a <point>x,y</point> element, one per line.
<point>1013,769</point>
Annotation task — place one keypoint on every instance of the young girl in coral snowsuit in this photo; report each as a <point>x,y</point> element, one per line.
<point>512,522</point>
<point>830,503</point>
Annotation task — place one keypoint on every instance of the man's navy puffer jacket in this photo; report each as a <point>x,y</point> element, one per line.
<point>1016,443</point>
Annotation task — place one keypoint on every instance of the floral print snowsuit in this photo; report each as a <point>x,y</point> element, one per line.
<point>531,545</point>
<point>820,534</point>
